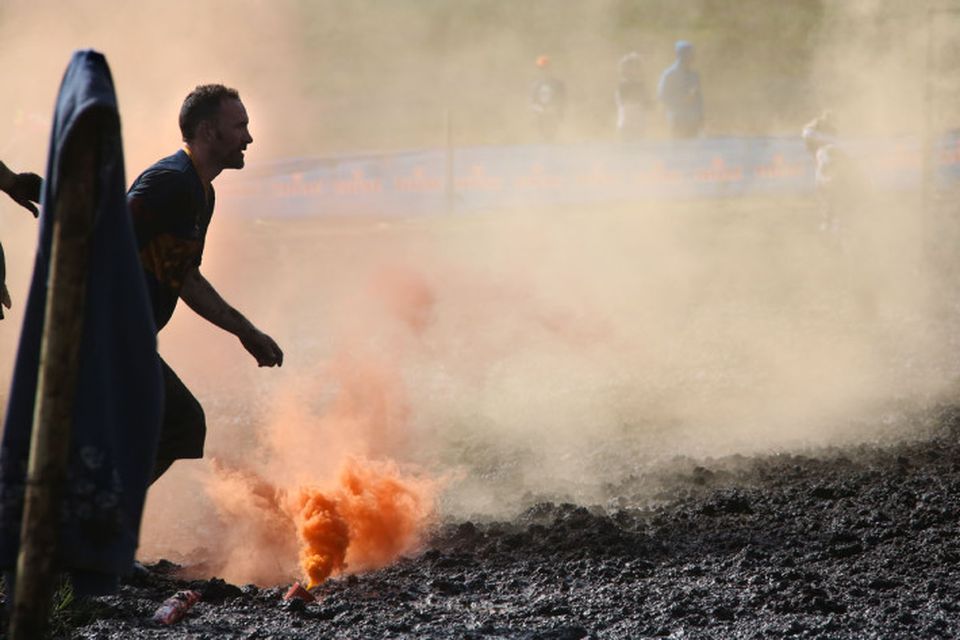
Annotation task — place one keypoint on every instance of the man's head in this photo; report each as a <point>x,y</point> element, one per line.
<point>213,119</point>
<point>631,66</point>
<point>684,51</point>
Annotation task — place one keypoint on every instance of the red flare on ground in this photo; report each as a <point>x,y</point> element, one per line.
<point>296,591</point>
<point>176,607</point>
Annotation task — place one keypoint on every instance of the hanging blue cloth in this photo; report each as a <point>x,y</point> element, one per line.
<point>118,404</point>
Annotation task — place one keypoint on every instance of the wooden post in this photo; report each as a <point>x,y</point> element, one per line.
<point>450,190</point>
<point>928,168</point>
<point>56,383</point>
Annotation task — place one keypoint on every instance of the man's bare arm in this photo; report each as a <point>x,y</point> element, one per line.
<point>200,296</point>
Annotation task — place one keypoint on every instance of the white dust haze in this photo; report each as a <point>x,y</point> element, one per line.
<point>518,355</point>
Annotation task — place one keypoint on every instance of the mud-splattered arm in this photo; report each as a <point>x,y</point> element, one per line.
<point>200,296</point>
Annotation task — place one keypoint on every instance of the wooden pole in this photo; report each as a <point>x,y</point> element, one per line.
<point>929,125</point>
<point>450,190</point>
<point>56,384</point>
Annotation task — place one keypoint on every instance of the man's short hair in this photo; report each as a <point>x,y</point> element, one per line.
<point>203,103</point>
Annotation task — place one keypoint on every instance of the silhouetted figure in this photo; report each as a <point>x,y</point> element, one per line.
<point>548,99</point>
<point>632,99</point>
<point>679,91</point>
<point>837,183</point>
<point>171,204</point>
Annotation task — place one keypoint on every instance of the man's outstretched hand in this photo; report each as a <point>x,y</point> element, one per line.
<point>24,188</point>
<point>263,348</point>
<point>200,296</point>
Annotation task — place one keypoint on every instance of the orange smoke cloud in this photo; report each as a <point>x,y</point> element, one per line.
<point>257,539</point>
<point>325,536</point>
<point>374,516</point>
<point>325,489</point>
<point>407,296</point>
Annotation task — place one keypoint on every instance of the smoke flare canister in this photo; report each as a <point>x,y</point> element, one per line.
<point>175,607</point>
<point>297,591</point>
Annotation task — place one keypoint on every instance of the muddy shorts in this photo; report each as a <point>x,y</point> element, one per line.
<point>184,426</point>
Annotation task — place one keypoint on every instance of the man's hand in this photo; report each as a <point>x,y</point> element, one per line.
<point>204,299</point>
<point>4,298</point>
<point>24,188</point>
<point>262,347</point>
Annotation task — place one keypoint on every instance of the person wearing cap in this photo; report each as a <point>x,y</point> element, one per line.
<point>24,188</point>
<point>679,91</point>
<point>547,100</point>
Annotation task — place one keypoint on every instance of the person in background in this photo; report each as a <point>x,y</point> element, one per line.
<point>632,99</point>
<point>679,91</point>
<point>24,188</point>
<point>548,99</point>
<point>171,204</point>
<point>836,179</point>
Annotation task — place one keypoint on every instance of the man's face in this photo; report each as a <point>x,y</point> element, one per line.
<point>231,135</point>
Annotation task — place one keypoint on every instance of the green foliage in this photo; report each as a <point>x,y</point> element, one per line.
<point>381,74</point>
<point>385,71</point>
<point>69,611</point>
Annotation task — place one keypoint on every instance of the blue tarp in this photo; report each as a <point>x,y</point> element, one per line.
<point>117,408</point>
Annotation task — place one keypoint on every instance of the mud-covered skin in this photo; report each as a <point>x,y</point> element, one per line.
<point>853,543</point>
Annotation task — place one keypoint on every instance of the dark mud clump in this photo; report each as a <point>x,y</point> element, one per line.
<point>854,543</point>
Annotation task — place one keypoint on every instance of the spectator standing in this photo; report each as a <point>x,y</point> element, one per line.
<point>679,91</point>
<point>632,99</point>
<point>839,187</point>
<point>548,99</point>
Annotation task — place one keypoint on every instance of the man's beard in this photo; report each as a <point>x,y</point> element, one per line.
<point>232,160</point>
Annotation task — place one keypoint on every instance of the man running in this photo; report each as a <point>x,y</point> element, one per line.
<point>171,204</point>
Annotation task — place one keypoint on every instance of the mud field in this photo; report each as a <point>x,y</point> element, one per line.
<point>841,543</point>
<point>730,437</point>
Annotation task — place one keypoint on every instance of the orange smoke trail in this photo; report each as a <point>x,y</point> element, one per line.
<point>324,535</point>
<point>407,296</point>
<point>351,415</point>
<point>257,542</point>
<point>373,517</point>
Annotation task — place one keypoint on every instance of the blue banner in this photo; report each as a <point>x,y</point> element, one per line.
<point>490,178</point>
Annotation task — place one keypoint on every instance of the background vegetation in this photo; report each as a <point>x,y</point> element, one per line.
<point>392,68</point>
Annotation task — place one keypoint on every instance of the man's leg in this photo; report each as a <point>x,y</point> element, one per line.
<point>184,425</point>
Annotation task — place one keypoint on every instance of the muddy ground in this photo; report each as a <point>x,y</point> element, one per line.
<point>840,542</point>
<point>858,542</point>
